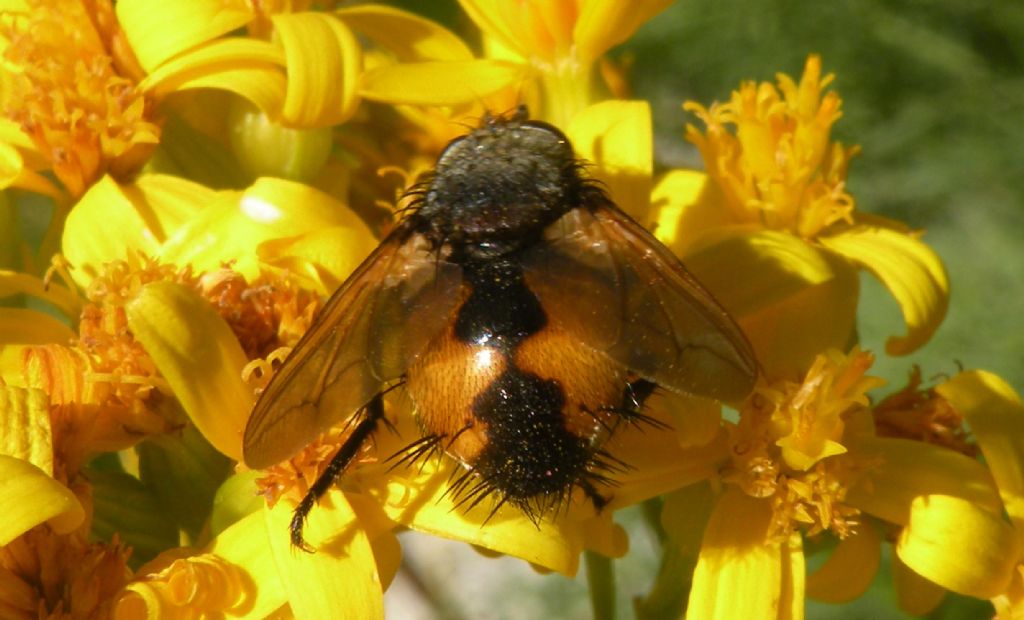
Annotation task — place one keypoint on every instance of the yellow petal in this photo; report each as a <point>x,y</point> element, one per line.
<point>740,572</point>
<point>419,498</point>
<point>914,594</point>
<point>324,61</point>
<point>440,83</point>
<point>911,271</point>
<point>31,497</point>
<point>15,171</point>
<point>317,255</point>
<point>245,545</point>
<point>112,220</point>
<point>850,567</point>
<point>409,36</point>
<point>25,431</point>
<point>791,299</point>
<point>387,551</point>
<point>616,137</point>
<point>22,326</point>
<point>158,31</point>
<point>341,575</point>
<point>959,546</point>
<point>678,210</point>
<point>491,17</point>
<point>995,414</point>
<point>198,355</point>
<point>236,577</point>
<point>90,238</point>
<point>247,67</point>
<point>902,469</point>
<point>232,228</point>
<point>603,24</point>
<point>658,464</point>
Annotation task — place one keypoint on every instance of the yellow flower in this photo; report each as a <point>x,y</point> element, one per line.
<point>773,206</point>
<point>541,53</point>
<point>969,547</point>
<point>70,84</point>
<point>805,464</point>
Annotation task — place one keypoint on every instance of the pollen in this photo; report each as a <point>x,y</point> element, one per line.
<point>787,447</point>
<point>294,476</point>
<point>72,90</point>
<point>768,148</point>
<point>44,575</point>
<point>122,374</point>
<point>923,415</point>
<point>266,314</point>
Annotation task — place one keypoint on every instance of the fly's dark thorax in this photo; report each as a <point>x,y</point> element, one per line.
<point>495,190</point>
<point>518,401</point>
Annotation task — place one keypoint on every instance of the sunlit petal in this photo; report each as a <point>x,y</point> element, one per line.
<point>408,36</point>
<point>341,575</point>
<point>903,469</point>
<point>912,272</point>
<point>198,355</point>
<point>959,546</point>
<point>440,83</point>
<point>603,24</point>
<point>792,302</point>
<point>147,25</point>
<point>681,209</point>
<point>31,497</point>
<point>994,412</point>
<point>421,499</point>
<point>324,62</point>
<point>316,255</point>
<point>233,227</point>
<point>235,577</point>
<point>25,426</point>
<point>740,573</point>
<point>247,67</point>
<point>111,221</point>
<point>616,137</point>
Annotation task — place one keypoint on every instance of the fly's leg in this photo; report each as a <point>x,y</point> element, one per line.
<point>372,416</point>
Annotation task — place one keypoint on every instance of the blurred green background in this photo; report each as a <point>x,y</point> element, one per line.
<point>933,91</point>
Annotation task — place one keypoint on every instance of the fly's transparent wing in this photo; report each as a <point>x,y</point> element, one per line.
<point>603,278</point>
<point>368,333</point>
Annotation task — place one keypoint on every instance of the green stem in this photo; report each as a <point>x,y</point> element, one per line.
<point>671,590</point>
<point>601,579</point>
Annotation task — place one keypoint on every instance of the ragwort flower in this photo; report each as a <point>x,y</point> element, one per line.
<point>806,467</point>
<point>773,205</point>
<point>969,547</point>
<point>70,85</point>
<point>541,53</point>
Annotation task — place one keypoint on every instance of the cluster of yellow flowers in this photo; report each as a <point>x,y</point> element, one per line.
<point>212,169</point>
